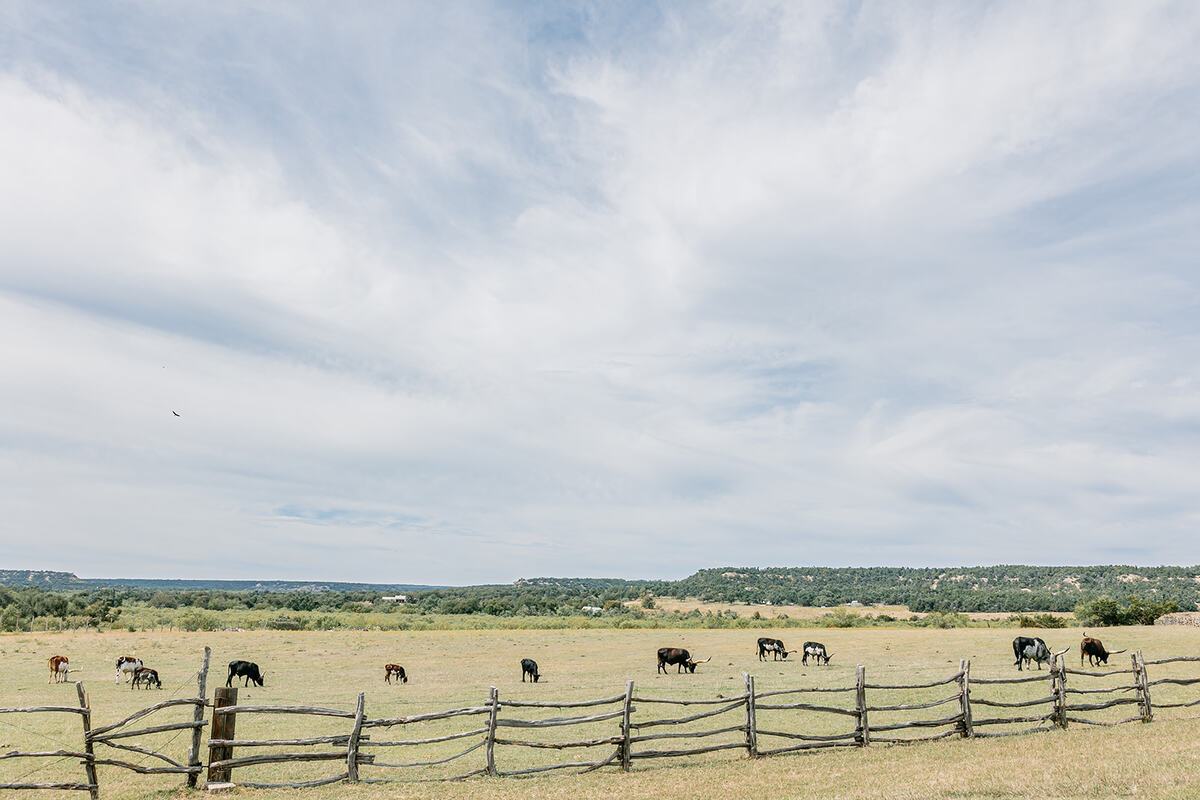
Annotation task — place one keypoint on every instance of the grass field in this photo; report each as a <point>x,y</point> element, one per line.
<point>450,669</point>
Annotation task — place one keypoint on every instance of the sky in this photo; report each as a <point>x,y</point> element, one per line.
<point>463,292</point>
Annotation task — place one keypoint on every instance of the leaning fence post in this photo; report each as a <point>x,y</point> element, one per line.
<point>1058,687</point>
<point>751,722</point>
<point>1139,666</point>
<point>626,755</point>
<point>860,705</point>
<point>964,697</point>
<point>355,732</point>
<point>89,763</point>
<point>198,718</point>
<point>494,700</point>
<point>224,726</point>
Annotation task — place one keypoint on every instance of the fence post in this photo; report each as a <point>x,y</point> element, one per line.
<point>860,705</point>
<point>1058,687</point>
<point>751,721</point>
<point>89,763</point>
<point>355,732</point>
<point>224,726</point>
<point>1139,668</point>
<point>625,733</point>
<point>964,698</point>
<point>198,717</point>
<point>494,699</point>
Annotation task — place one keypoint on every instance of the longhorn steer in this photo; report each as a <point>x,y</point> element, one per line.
<point>817,651</point>
<point>396,671</point>
<point>774,647</point>
<point>244,669</point>
<point>127,665</point>
<point>1095,652</point>
<point>59,669</point>
<point>1028,649</point>
<point>681,658</point>
<point>529,667</point>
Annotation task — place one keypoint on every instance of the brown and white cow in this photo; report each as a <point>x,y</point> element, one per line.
<point>144,676</point>
<point>59,669</point>
<point>127,665</point>
<point>394,670</point>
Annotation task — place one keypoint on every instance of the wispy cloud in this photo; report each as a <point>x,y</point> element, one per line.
<point>492,291</point>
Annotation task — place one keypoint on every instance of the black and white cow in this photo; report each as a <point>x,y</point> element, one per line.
<point>529,667</point>
<point>1027,649</point>
<point>817,651</point>
<point>774,647</point>
<point>144,676</point>
<point>127,665</point>
<point>244,669</point>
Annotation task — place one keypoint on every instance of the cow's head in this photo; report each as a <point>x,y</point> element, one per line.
<point>691,665</point>
<point>825,658</point>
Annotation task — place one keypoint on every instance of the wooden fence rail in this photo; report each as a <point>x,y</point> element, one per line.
<point>700,726</point>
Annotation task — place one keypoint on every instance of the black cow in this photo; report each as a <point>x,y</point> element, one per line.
<point>681,658</point>
<point>1095,652</point>
<point>244,669</point>
<point>529,667</point>
<point>1028,649</point>
<point>817,651</point>
<point>774,647</point>
<point>145,676</point>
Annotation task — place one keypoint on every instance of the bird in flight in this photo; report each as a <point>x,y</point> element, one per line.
<point>176,413</point>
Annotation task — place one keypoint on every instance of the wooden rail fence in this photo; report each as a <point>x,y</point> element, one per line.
<point>642,727</point>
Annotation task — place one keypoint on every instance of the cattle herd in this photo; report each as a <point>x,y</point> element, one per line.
<point>1027,650</point>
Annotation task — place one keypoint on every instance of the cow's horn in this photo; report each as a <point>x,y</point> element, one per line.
<point>705,661</point>
<point>1114,652</point>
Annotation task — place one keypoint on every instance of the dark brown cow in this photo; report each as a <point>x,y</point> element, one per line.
<point>1095,652</point>
<point>681,658</point>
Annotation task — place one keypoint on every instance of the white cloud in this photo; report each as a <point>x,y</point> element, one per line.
<point>738,284</point>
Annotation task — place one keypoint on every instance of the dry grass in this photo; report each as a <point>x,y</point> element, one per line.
<point>455,668</point>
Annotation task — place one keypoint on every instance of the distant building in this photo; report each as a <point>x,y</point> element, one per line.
<point>396,598</point>
<point>592,609</point>
<point>854,604</point>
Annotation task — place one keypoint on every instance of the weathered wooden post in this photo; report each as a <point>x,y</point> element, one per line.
<point>1139,670</point>
<point>224,726</point>
<point>751,722</point>
<point>494,700</point>
<point>89,763</point>
<point>626,735</point>
<point>863,734</point>
<point>1058,687</point>
<point>355,732</point>
<point>198,718</point>
<point>964,698</point>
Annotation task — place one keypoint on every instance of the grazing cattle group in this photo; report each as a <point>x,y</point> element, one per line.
<point>1027,650</point>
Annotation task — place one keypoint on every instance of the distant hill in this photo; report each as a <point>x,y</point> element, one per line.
<point>66,581</point>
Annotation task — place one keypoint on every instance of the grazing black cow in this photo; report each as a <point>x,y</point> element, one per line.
<point>144,676</point>
<point>244,669</point>
<point>1028,649</point>
<point>817,651</point>
<point>529,667</point>
<point>681,658</point>
<point>396,671</point>
<point>774,647</point>
<point>1095,652</point>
